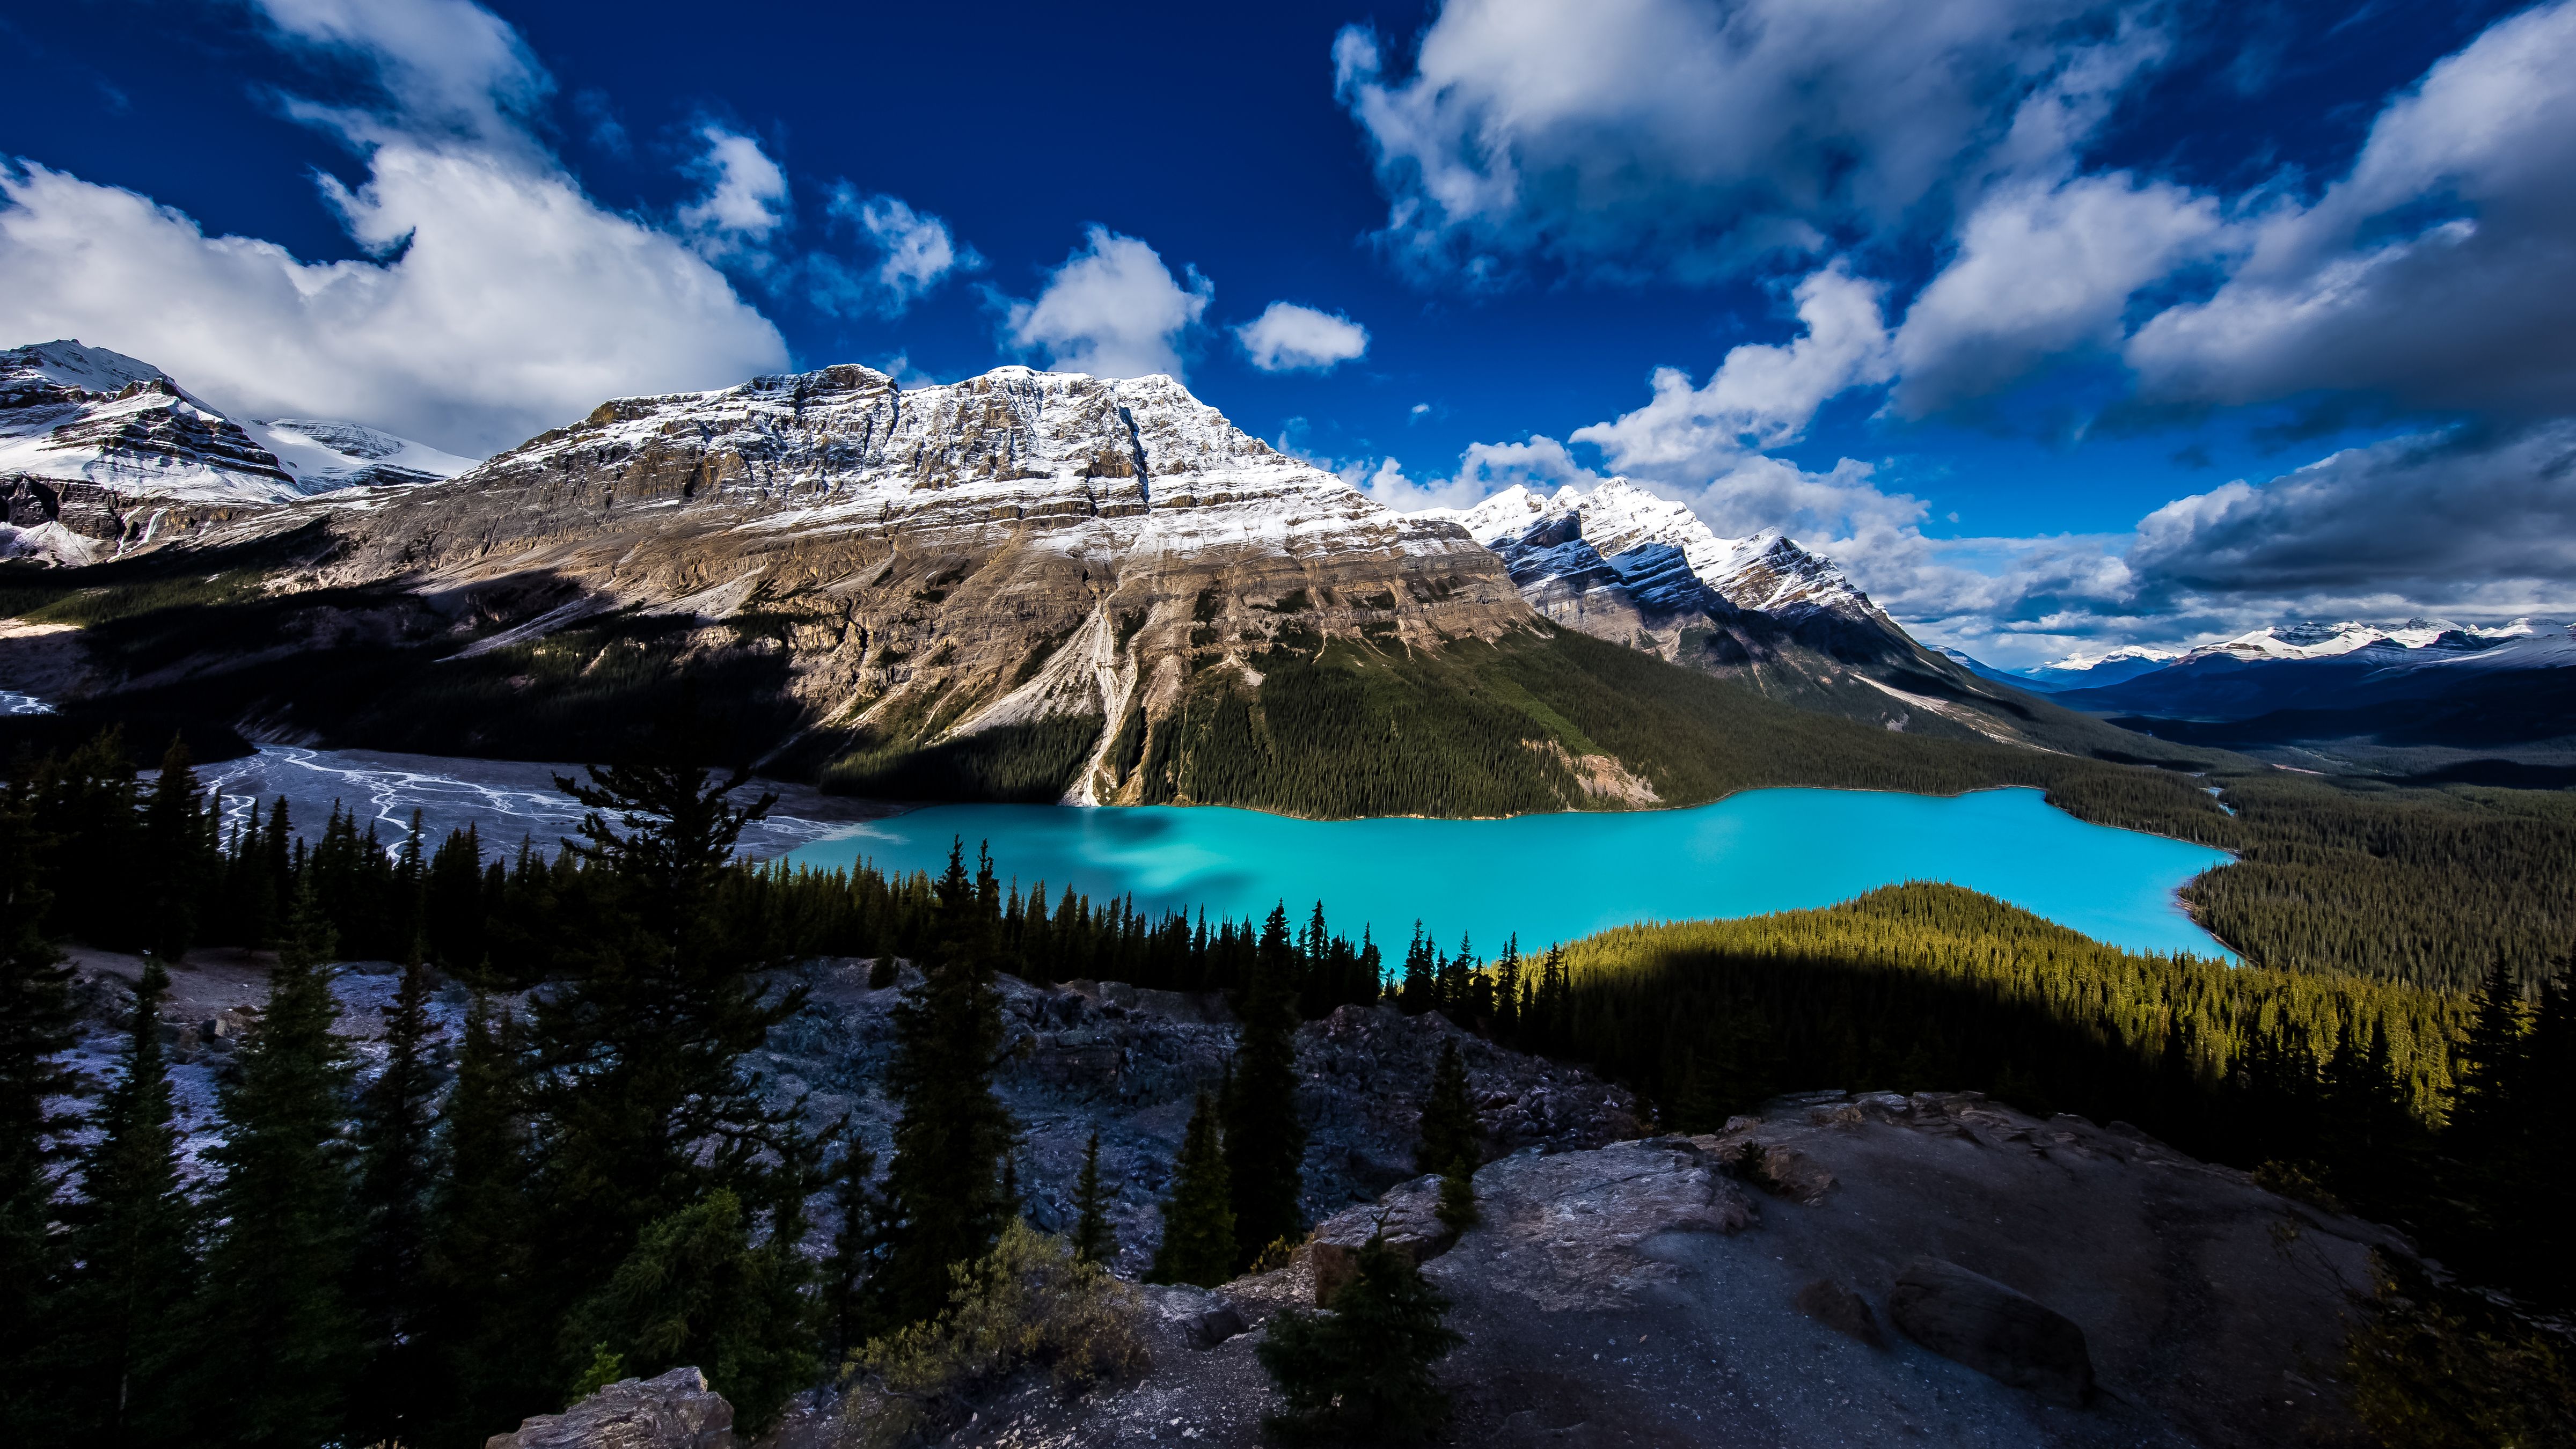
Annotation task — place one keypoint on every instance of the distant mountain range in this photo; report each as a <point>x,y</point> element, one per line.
<point>2412,698</point>
<point>1022,585</point>
<point>98,448</point>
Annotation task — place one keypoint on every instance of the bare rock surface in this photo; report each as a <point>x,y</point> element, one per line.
<point>674,1411</point>
<point>1654,1292</point>
<point>1128,1063</point>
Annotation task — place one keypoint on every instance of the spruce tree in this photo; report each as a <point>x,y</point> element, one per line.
<point>35,1024</point>
<point>121,1317</point>
<point>698,1290</point>
<point>857,1240</point>
<point>1094,1241</point>
<point>174,857</point>
<point>1507,991</point>
<point>642,1100</point>
<point>2490,1110</point>
<point>480,1314</point>
<point>280,1344</point>
<point>1265,1143</point>
<point>393,1207</point>
<point>1419,990</point>
<point>1451,1136</point>
<point>1364,1369</point>
<point>943,1186</point>
<point>1199,1239</point>
<point>1450,1132</point>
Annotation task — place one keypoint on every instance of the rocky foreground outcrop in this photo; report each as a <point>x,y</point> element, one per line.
<point>1837,1270</point>
<point>673,1411</point>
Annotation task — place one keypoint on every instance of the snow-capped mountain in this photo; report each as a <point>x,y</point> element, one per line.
<point>2094,668</point>
<point>1655,554</point>
<point>323,456</point>
<point>89,437</point>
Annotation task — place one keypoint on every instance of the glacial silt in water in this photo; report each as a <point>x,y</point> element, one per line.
<point>1559,877</point>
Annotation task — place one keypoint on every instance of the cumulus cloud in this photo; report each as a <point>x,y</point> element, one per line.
<point>1112,310</point>
<point>915,252</point>
<point>444,67</point>
<point>745,202</point>
<point>1688,138</point>
<point>502,300</point>
<point>2440,272</point>
<point>2042,268</point>
<point>514,304</point>
<point>1763,395</point>
<point>1289,338</point>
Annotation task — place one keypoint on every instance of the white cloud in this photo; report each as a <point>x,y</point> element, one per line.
<point>2043,268</point>
<point>1112,310</point>
<point>446,67</point>
<point>2440,272</point>
<point>504,300</point>
<point>1762,396</point>
<point>516,305</point>
<point>1689,137</point>
<point>745,203</point>
<point>1290,338</point>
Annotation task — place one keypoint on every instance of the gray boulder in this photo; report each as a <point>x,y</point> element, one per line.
<point>674,1411</point>
<point>1999,1331</point>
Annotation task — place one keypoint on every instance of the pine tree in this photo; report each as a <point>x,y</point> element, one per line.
<point>174,856</point>
<point>1094,1241</point>
<point>1419,990</point>
<point>2490,1110</point>
<point>480,1315</point>
<point>1507,991</point>
<point>1364,1369</point>
<point>857,1240</point>
<point>1198,1218</point>
<point>1449,1128</point>
<point>121,1317</point>
<point>280,1344</point>
<point>1265,1143</point>
<point>642,1099</point>
<point>35,1024</point>
<point>697,1290</point>
<point>393,1207</point>
<point>943,1186</point>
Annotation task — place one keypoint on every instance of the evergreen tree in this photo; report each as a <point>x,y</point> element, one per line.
<point>279,1344</point>
<point>2490,1111</point>
<point>641,1097</point>
<point>479,1312</point>
<point>1449,1128</point>
<point>943,1187</point>
<point>697,1290</point>
<point>1198,1218</point>
<point>856,1243</point>
<point>1265,1143</point>
<point>394,1170</point>
<point>122,1316</point>
<point>1094,1241</point>
<point>1507,991</point>
<point>35,1024</point>
<point>1364,1369</point>
<point>175,855</point>
<point>1419,990</point>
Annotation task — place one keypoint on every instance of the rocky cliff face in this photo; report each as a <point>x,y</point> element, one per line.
<point>1839,1269</point>
<point>1622,564</point>
<point>1007,551</point>
<point>100,451</point>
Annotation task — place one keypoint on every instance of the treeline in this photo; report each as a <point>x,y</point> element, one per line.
<point>2428,888</point>
<point>156,867</point>
<point>543,1197</point>
<point>2439,1113</point>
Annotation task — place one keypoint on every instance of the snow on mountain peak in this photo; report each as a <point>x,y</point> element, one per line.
<point>69,364</point>
<point>1658,548</point>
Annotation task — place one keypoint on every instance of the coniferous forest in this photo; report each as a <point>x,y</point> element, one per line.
<point>591,1186</point>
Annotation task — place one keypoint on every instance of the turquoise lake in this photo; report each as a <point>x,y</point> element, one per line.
<point>1558,877</point>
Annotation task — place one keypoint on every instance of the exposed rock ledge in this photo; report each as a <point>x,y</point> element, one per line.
<point>1935,1269</point>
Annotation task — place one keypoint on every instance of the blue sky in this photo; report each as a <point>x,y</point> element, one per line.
<point>2059,324</point>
